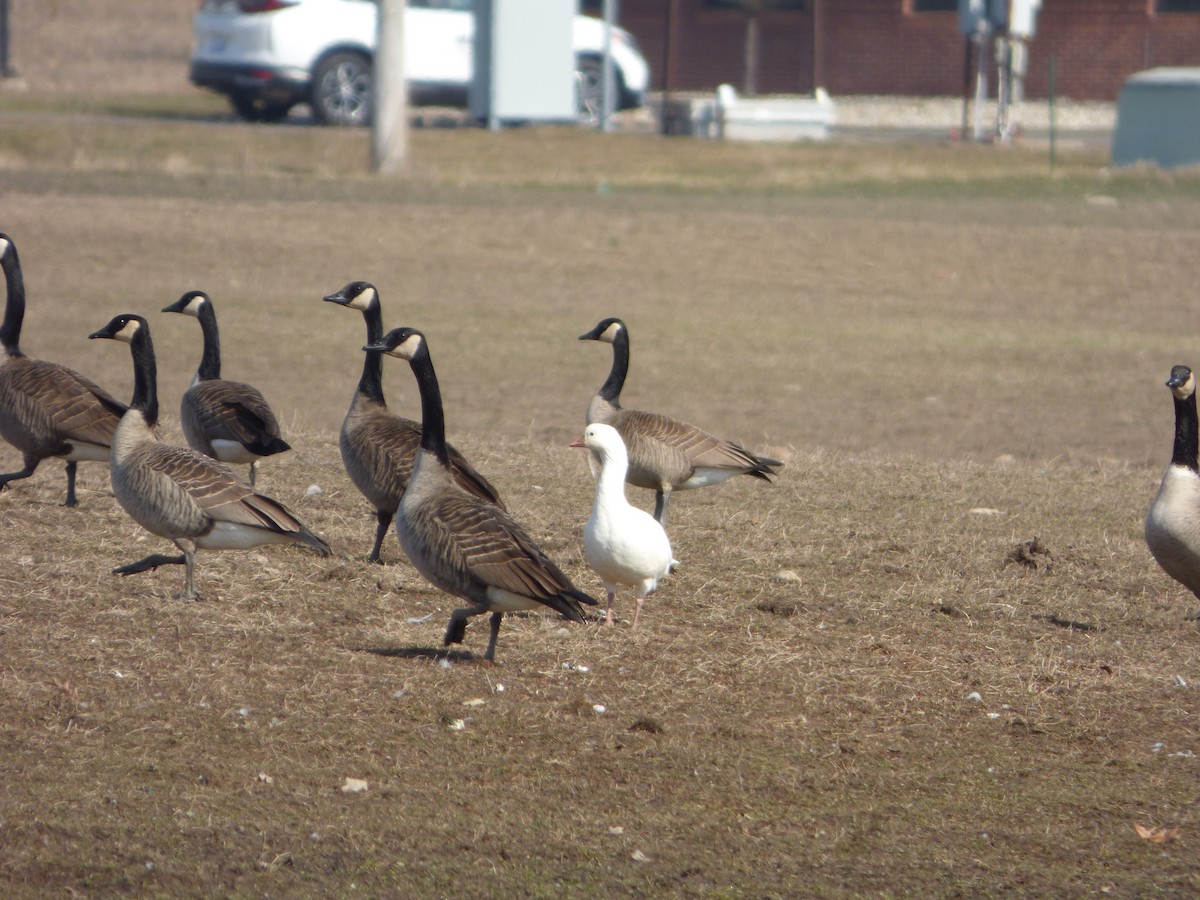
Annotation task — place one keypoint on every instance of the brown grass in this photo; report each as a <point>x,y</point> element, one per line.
<point>864,679</point>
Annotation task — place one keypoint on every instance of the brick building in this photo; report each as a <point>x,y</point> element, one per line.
<point>908,47</point>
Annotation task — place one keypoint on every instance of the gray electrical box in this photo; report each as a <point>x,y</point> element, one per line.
<point>974,13</point>
<point>1158,119</point>
<point>1019,17</point>
<point>524,61</point>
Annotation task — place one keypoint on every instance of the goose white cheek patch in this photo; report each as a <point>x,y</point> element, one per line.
<point>409,348</point>
<point>362,300</point>
<point>128,330</point>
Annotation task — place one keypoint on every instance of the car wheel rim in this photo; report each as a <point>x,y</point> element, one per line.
<point>345,92</point>
<point>589,95</point>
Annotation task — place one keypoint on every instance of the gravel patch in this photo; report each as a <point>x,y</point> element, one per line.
<point>933,112</point>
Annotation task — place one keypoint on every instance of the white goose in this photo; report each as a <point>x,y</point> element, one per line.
<point>623,544</point>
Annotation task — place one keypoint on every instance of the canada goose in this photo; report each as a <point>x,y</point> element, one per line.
<point>466,546</point>
<point>227,420</point>
<point>1173,522</point>
<point>665,455</point>
<point>623,544</point>
<point>178,493</point>
<point>379,448</point>
<point>47,410</point>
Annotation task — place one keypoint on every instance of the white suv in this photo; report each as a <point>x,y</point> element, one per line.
<point>269,55</point>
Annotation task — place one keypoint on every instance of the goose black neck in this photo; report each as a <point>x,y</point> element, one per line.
<point>145,377</point>
<point>1186,433</point>
<point>210,362</point>
<point>611,389</point>
<point>371,383</point>
<point>14,310</point>
<point>433,422</point>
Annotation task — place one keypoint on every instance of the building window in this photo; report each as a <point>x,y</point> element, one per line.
<point>920,6</point>
<point>1177,6</point>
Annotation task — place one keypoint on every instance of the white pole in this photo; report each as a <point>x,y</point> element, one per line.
<point>609,100</point>
<point>389,94</point>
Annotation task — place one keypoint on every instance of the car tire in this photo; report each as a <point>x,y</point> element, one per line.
<point>253,108</point>
<point>341,90</point>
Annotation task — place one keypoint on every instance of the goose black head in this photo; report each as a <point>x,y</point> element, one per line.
<point>121,328</point>
<point>606,331</point>
<point>1182,382</point>
<point>6,245</point>
<point>360,295</point>
<point>189,304</point>
<point>403,343</point>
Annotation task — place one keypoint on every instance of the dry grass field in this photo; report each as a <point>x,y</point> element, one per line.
<point>933,659</point>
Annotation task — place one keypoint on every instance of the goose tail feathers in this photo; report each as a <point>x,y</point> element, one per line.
<point>316,543</point>
<point>268,445</point>
<point>570,603</point>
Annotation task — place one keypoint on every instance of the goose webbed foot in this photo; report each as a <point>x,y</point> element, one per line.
<point>150,563</point>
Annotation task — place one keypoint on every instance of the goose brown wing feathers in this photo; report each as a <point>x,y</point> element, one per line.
<point>234,411</point>
<point>219,493</point>
<point>386,446</point>
<point>378,451</point>
<point>481,547</point>
<point>676,447</point>
<point>71,404</point>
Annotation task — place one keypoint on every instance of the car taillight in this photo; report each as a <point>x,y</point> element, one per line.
<point>256,6</point>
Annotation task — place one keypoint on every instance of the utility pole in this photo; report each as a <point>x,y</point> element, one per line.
<point>818,48</point>
<point>389,95</point>
<point>6,71</point>
<point>668,64</point>
<point>609,94</point>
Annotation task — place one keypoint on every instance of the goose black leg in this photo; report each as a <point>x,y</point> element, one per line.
<point>661,499</point>
<point>381,529</point>
<point>71,501</point>
<point>495,623</point>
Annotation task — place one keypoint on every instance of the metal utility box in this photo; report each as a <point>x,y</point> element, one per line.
<point>524,61</point>
<point>1022,20</point>
<point>1158,119</point>
<point>972,14</point>
<point>1018,17</point>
